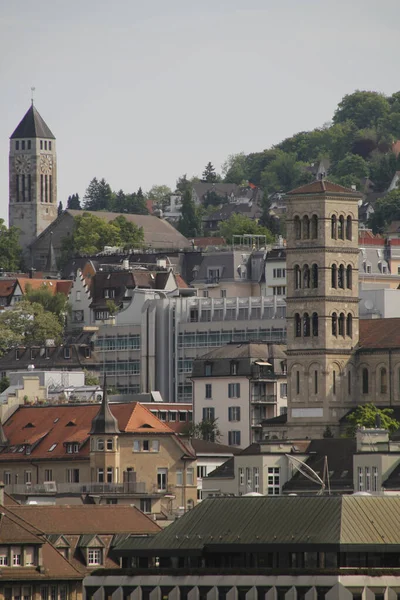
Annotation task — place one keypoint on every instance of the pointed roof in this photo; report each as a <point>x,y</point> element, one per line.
<point>32,126</point>
<point>51,264</point>
<point>323,186</point>
<point>104,421</point>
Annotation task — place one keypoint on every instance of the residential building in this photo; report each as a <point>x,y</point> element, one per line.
<point>229,192</point>
<point>275,272</point>
<point>117,453</point>
<point>213,220</point>
<point>260,547</point>
<point>32,178</point>
<point>172,212</point>
<point>210,456</point>
<point>239,385</point>
<point>178,418</point>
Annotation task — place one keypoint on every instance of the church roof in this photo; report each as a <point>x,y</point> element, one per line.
<point>322,186</point>
<point>32,126</point>
<point>379,333</point>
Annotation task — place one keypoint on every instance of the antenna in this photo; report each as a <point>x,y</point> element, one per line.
<point>307,471</point>
<point>33,89</point>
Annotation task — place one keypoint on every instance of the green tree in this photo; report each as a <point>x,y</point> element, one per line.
<point>234,169</point>
<point>10,249</point>
<point>130,235</point>
<point>238,224</point>
<point>98,196</point>
<point>212,198</point>
<point>387,209</point>
<point>284,173</point>
<point>190,221</point>
<point>382,169</point>
<point>60,208</point>
<point>28,323</point>
<point>120,202</point>
<point>363,108</point>
<point>268,220</point>
<point>74,202</point>
<point>160,194</point>
<point>57,304</point>
<point>4,383</point>
<point>350,170</point>
<point>90,378</point>
<point>366,416</point>
<point>206,430</point>
<point>209,174</point>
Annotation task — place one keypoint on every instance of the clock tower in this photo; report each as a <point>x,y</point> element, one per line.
<point>32,178</point>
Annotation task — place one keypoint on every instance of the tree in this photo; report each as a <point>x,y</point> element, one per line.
<point>382,169</point>
<point>28,323</point>
<point>120,202</point>
<point>327,432</point>
<point>4,383</point>
<point>284,173</point>
<point>207,429</point>
<point>74,202</point>
<point>239,224</point>
<point>57,304</point>
<point>10,249</point>
<point>363,108</point>
<point>209,174</point>
<point>234,169</point>
<point>190,221</point>
<point>350,170</point>
<point>160,195</point>
<point>267,220</point>
<point>98,196</point>
<point>60,208</point>
<point>90,378</point>
<point>366,416</point>
<point>212,198</point>
<point>387,209</point>
<point>131,236</point>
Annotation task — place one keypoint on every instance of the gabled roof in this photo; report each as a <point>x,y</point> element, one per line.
<point>55,286</point>
<point>379,333</point>
<point>323,186</point>
<point>202,447</point>
<point>32,126</point>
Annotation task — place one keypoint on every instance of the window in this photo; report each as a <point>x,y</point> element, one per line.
<point>208,413</point>
<point>333,227</point>
<point>205,293</point>
<point>48,475</point>
<point>348,228</point>
<point>28,477</point>
<point>146,445</point>
<point>349,277</point>
<point>233,390</point>
<point>306,325</point>
<point>383,380</point>
<point>179,477</point>
<point>342,323</point>
<point>23,145</point>
<point>234,413</point>
<point>16,556</point>
<point>213,275</point>
<point>334,383</point>
<point>234,368</point>
<point>349,325</point>
<point>100,444</point>
<point>283,390</point>
<point>3,556</point>
<point>297,277</point>
<point>334,276</point>
<point>67,352</point>
<point>109,292</point>
<point>182,416</point>
<point>297,228</point>
<point>340,229</point>
<point>7,478</point>
<point>367,479</point>
<point>17,145</point>
<point>78,296</point>
<point>45,145</point>
<point>341,277</point>
<point>110,444</point>
<point>223,293</point>
<point>273,481</point>
<point>100,475</point>
<point>315,382</point>
<point>297,325</point>
<point>234,438</point>
<point>162,479</point>
<point>241,476</point>
<point>297,382</point>
<point>155,446</point>
<point>334,324</point>
<point>315,324</point>
<point>136,445</point>
<point>109,474</point>
<point>190,476</point>
<point>145,505</point>
<point>314,276</point>
<point>306,276</point>
<point>72,475</point>
<point>208,393</point>
<point>208,369</point>
<point>94,556</point>
<point>365,383</point>
<point>374,479</point>
<point>314,227</point>
<point>201,472</point>
<point>360,479</point>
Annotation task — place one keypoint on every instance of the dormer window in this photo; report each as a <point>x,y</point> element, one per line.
<point>32,354</point>
<point>17,354</point>
<point>109,293</point>
<point>87,352</point>
<point>234,368</point>
<point>67,352</point>
<point>95,556</point>
<point>208,369</point>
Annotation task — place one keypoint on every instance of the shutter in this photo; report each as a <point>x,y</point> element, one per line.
<point>230,413</point>
<point>204,414</point>
<point>230,438</point>
<point>238,413</point>
<point>238,390</point>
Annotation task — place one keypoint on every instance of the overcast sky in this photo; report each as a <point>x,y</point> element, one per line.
<point>142,91</point>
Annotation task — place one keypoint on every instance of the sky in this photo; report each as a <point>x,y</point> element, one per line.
<point>141,92</point>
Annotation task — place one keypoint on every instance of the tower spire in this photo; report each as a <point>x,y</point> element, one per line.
<point>104,422</point>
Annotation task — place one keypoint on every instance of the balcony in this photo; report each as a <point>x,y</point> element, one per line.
<point>214,279</point>
<point>53,488</point>
<point>264,398</point>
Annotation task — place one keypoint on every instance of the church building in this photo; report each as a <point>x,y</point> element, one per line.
<point>32,177</point>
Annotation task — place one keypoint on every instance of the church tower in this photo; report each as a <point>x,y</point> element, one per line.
<point>322,305</point>
<point>32,178</point>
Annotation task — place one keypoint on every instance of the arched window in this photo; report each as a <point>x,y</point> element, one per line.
<point>349,277</point>
<point>333,227</point>
<point>110,444</point>
<point>340,229</point>
<point>349,383</point>
<point>334,383</point>
<point>349,234</point>
<point>306,276</point>
<point>314,276</point>
<point>334,276</point>
<point>297,325</point>
<point>365,381</point>
<point>306,325</point>
<point>306,228</point>
<point>315,324</point>
<point>297,382</point>
<point>341,277</point>
<point>334,323</point>
<point>383,380</point>
<point>342,324</point>
<point>314,227</point>
<point>315,382</point>
<point>100,444</point>
<point>297,277</point>
<point>349,325</point>
<point>297,228</point>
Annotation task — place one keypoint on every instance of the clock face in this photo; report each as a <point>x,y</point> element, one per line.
<point>46,164</point>
<point>23,164</point>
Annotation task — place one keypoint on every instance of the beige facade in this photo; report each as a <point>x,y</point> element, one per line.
<point>322,304</point>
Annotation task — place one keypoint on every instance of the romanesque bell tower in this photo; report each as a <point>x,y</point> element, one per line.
<point>32,178</point>
<point>322,305</point>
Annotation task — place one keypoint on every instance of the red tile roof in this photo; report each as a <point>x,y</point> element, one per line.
<point>54,285</point>
<point>181,283</point>
<point>379,333</point>
<point>321,187</point>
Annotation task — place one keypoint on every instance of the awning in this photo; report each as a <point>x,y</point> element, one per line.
<point>263,363</point>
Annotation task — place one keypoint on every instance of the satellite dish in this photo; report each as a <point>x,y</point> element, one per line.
<point>368,304</point>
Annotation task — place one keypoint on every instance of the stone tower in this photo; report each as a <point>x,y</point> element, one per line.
<point>33,178</point>
<point>322,305</point>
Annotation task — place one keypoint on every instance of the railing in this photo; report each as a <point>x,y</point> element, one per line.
<point>52,487</point>
<point>214,279</point>
<point>264,398</point>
